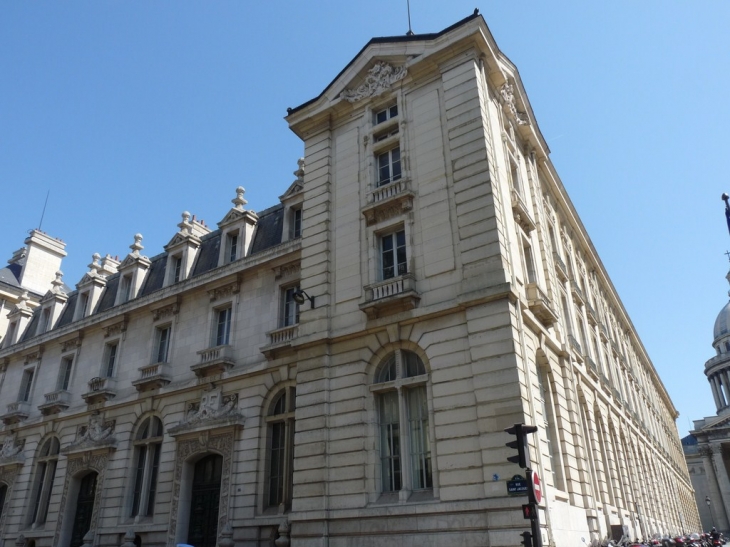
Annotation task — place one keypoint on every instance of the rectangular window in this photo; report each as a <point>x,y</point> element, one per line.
<point>64,373</point>
<point>25,385</point>
<point>389,166</point>
<point>393,255</point>
<point>82,305</point>
<point>296,224</point>
<point>45,320</point>
<point>177,269</point>
<point>110,359</point>
<point>223,327</point>
<point>290,309</point>
<point>514,173</point>
<point>125,289</point>
<point>529,264</point>
<point>385,114</point>
<point>390,441</point>
<point>162,344</point>
<point>419,436</point>
<point>231,247</point>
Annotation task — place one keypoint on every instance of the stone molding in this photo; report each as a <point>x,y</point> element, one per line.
<point>214,410</point>
<point>225,291</point>
<point>508,95</point>
<point>96,434</point>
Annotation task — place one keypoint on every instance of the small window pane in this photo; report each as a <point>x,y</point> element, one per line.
<point>412,364</point>
<point>387,371</point>
<point>390,442</point>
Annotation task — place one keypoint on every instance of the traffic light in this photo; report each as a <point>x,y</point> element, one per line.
<point>526,539</point>
<point>521,431</point>
<point>529,511</point>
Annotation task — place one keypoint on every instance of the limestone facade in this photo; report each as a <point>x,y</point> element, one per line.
<point>339,369</point>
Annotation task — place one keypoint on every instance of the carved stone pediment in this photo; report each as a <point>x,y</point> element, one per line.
<point>34,355</point>
<point>214,410</point>
<point>96,434</point>
<point>379,79</point>
<point>166,310</point>
<point>287,270</point>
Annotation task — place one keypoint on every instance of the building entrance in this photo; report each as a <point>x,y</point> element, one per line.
<point>84,509</point>
<point>203,529</point>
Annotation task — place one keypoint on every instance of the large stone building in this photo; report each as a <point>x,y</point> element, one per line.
<point>339,369</point>
<point>707,447</point>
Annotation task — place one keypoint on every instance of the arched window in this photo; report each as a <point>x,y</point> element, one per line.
<point>402,403</point>
<point>280,449</point>
<point>45,473</point>
<point>147,448</point>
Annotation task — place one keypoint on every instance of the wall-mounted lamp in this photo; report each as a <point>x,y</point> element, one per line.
<point>299,296</point>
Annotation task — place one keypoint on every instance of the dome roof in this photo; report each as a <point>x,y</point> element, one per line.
<point>722,323</point>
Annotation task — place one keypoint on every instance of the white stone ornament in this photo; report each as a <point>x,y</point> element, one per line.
<point>508,94</point>
<point>380,78</point>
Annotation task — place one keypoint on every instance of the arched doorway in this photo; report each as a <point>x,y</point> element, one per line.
<point>204,502</point>
<point>84,509</point>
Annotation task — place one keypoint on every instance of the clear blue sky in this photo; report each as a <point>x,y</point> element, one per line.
<point>131,112</point>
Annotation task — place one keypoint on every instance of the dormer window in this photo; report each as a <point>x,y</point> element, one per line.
<point>10,335</point>
<point>295,228</point>
<point>45,320</point>
<point>125,288</point>
<point>82,306</point>
<point>176,263</point>
<point>231,252</point>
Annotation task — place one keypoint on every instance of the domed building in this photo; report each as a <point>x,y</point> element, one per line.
<point>707,448</point>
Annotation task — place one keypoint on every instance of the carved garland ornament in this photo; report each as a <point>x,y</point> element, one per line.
<point>225,291</point>
<point>379,79</point>
<point>205,443</point>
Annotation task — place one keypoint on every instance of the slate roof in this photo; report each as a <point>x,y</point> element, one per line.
<point>268,234</point>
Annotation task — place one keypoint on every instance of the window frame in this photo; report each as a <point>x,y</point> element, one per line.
<point>283,421</point>
<point>295,227</point>
<point>288,307</point>
<point>219,338</point>
<point>25,393</point>
<point>107,355</point>
<point>65,371</point>
<point>231,246</point>
<point>156,349</point>
<point>42,487</point>
<point>143,488</point>
<point>399,268</point>
<point>386,160</point>
<point>402,386</point>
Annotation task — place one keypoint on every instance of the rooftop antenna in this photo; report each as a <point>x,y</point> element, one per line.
<point>410,31</point>
<point>44,210</point>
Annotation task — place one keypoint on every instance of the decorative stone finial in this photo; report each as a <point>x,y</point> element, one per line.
<point>57,283</point>
<point>128,539</point>
<point>225,538</point>
<point>137,245</point>
<point>23,301</point>
<point>186,217</point>
<point>238,201</point>
<point>283,539</point>
<point>95,264</point>
<point>299,173</point>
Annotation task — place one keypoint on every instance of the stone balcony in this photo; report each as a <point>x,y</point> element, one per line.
<point>390,296</point>
<point>577,349</point>
<point>100,390</point>
<point>591,314</point>
<point>592,368</point>
<point>521,213</point>
<point>152,376</point>
<point>577,294</point>
<point>280,339</point>
<point>560,268</point>
<point>16,412</point>
<point>384,200</point>
<point>540,305</point>
<point>214,360</point>
<point>56,402</point>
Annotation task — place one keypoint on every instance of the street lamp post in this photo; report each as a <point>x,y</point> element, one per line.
<point>709,507</point>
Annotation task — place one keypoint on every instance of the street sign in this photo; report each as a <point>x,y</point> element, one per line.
<point>536,487</point>
<point>517,486</point>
